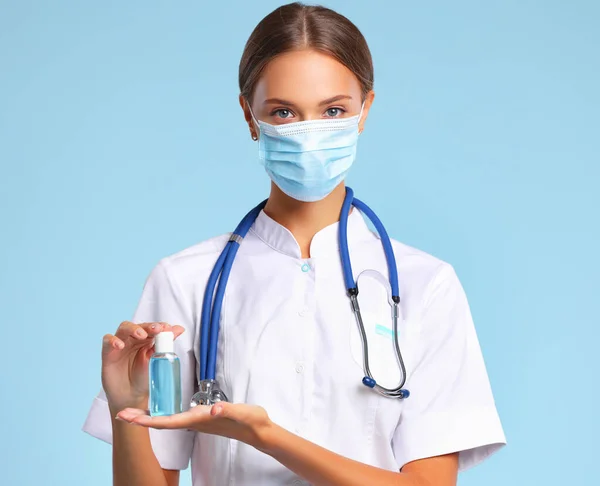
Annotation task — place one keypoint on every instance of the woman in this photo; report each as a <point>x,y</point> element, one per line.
<point>290,357</point>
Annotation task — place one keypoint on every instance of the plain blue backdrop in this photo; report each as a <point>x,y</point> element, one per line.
<point>122,141</point>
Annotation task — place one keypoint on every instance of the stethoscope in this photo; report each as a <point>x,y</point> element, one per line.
<point>209,391</point>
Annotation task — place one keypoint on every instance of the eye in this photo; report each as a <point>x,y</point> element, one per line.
<point>334,112</point>
<point>282,113</point>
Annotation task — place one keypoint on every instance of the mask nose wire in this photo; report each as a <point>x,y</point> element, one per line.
<point>362,108</point>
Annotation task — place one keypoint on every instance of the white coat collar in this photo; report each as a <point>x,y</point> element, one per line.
<point>324,243</point>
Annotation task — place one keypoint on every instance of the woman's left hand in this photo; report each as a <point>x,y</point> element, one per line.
<point>246,423</point>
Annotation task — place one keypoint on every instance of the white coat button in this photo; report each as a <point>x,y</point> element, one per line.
<point>299,368</point>
<point>305,267</point>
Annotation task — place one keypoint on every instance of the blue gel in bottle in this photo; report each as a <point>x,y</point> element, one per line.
<point>165,377</point>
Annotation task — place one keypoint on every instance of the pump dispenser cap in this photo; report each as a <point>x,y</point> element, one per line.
<point>163,342</point>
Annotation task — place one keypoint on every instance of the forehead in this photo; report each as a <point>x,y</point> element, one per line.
<point>305,76</point>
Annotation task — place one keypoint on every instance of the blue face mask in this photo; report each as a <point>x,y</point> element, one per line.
<point>308,159</point>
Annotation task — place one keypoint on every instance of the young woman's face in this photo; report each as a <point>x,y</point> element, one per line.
<point>306,85</point>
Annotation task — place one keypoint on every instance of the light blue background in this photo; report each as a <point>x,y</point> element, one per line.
<point>121,141</point>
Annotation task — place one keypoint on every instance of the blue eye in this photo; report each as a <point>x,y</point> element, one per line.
<point>333,112</point>
<point>283,113</point>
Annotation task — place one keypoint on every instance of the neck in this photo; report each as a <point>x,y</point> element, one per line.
<point>305,219</point>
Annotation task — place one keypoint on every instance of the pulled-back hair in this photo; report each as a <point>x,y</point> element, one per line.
<point>298,26</point>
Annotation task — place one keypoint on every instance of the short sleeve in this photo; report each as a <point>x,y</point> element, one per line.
<point>161,301</point>
<point>451,407</point>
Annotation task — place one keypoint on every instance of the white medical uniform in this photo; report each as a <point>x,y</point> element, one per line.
<point>289,342</point>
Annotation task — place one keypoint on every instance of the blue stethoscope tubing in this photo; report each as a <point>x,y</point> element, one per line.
<point>352,290</point>
<point>211,308</point>
<point>213,301</point>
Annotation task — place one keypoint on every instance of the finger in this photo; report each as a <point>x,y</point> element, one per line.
<point>140,331</point>
<point>233,411</point>
<point>176,329</point>
<point>220,409</point>
<point>110,342</point>
<point>128,414</point>
<point>183,420</point>
<point>157,327</point>
<point>128,330</point>
<point>153,328</point>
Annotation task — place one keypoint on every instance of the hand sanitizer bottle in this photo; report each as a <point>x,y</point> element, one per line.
<point>165,377</point>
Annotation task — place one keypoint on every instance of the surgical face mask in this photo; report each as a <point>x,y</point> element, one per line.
<point>308,159</point>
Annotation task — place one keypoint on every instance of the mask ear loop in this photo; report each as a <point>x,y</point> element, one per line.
<point>360,116</point>
<point>255,122</point>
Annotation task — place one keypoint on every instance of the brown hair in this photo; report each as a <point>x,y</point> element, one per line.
<point>297,26</point>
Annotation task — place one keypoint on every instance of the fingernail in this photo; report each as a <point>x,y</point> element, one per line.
<point>139,333</point>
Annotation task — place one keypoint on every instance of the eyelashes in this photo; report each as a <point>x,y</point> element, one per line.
<point>337,109</point>
<point>287,114</point>
<point>280,111</point>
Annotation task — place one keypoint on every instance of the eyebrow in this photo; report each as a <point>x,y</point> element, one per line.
<point>279,101</point>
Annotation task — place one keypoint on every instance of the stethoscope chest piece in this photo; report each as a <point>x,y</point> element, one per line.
<point>209,393</point>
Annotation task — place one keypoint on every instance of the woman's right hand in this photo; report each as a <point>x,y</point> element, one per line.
<point>125,358</point>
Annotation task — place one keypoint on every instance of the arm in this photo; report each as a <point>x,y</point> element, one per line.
<point>322,467</point>
<point>251,424</point>
<point>125,379</point>
<point>452,410</point>
<point>134,462</point>
<point>140,457</point>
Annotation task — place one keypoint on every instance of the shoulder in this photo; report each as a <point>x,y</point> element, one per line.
<point>197,254</point>
<point>191,263</point>
<point>422,275</point>
<point>418,263</point>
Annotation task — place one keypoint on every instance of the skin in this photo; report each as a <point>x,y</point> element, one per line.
<point>289,79</point>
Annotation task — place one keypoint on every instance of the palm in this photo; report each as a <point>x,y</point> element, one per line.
<point>237,421</point>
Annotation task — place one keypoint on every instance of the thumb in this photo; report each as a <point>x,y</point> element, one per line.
<point>223,409</point>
